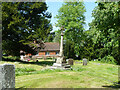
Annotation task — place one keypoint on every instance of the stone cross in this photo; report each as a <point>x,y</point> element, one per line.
<point>61,56</point>
<point>61,61</point>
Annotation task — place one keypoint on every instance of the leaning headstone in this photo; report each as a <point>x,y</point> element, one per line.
<point>84,61</point>
<point>70,61</point>
<point>7,76</point>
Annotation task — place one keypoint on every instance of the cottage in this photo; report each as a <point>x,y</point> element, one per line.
<point>48,49</point>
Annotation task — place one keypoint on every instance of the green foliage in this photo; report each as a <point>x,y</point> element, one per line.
<point>57,36</point>
<point>87,46</point>
<point>22,22</point>
<point>15,58</point>
<point>108,59</point>
<point>0,30</point>
<point>69,49</point>
<point>71,18</point>
<point>106,30</point>
<point>50,37</point>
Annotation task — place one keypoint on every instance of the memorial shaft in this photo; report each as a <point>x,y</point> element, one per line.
<point>61,45</point>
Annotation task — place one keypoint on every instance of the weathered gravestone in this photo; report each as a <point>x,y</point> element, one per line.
<point>84,61</point>
<point>70,61</point>
<point>7,76</point>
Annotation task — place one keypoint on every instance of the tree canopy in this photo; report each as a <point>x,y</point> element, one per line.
<point>71,18</point>
<point>23,22</point>
<point>106,29</point>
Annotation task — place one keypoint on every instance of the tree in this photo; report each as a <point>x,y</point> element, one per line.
<point>50,37</point>
<point>69,49</point>
<point>23,22</point>
<point>0,18</point>
<point>71,18</point>
<point>57,36</point>
<point>106,22</point>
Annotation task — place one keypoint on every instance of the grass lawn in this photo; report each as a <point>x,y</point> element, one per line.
<point>94,75</point>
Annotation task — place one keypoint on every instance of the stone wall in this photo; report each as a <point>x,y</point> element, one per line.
<point>7,76</point>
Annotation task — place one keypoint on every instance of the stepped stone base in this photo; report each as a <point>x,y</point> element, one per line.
<point>62,66</point>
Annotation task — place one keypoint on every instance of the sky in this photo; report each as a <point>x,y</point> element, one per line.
<point>53,8</point>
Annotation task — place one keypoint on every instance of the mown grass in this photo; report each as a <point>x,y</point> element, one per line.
<point>94,75</point>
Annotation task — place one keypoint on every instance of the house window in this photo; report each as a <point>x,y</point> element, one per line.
<point>57,53</point>
<point>46,53</point>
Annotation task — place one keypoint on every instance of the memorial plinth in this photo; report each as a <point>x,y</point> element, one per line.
<point>61,64</point>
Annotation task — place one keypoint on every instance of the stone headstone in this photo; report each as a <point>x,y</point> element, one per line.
<point>7,76</point>
<point>70,61</point>
<point>84,61</point>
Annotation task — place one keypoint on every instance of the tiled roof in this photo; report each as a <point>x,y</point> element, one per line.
<point>50,46</point>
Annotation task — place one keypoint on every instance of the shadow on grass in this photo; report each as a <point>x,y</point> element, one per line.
<point>42,63</point>
<point>115,85</point>
<point>21,88</point>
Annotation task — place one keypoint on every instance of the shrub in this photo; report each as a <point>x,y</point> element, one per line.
<point>108,59</point>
